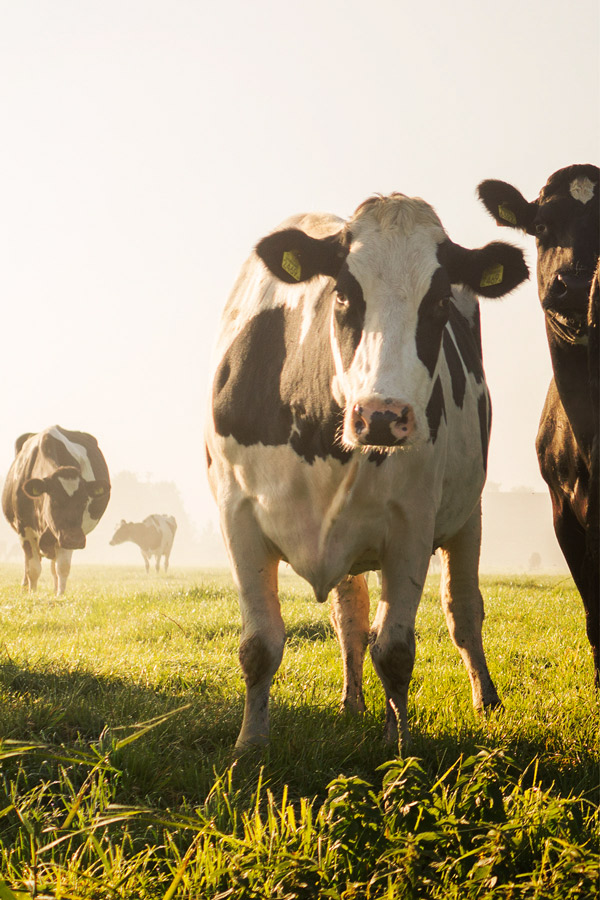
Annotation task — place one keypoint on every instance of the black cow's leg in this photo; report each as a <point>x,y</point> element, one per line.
<point>463,607</point>
<point>350,619</point>
<point>582,564</point>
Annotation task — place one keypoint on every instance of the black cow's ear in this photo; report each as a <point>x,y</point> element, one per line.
<point>35,487</point>
<point>293,256</point>
<point>507,205</point>
<point>492,271</point>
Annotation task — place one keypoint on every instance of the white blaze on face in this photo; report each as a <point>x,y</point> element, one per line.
<point>393,257</point>
<point>582,189</point>
<point>70,485</point>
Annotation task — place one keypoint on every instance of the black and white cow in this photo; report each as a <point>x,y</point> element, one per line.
<point>349,431</point>
<point>565,220</point>
<point>154,536</point>
<point>55,493</point>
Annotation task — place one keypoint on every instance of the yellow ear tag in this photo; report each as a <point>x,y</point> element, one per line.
<point>492,276</point>
<point>291,264</point>
<point>507,214</point>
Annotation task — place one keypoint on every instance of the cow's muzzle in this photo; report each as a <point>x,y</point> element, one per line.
<point>71,540</point>
<point>381,423</point>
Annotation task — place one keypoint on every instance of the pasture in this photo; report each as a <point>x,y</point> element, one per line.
<point>120,703</point>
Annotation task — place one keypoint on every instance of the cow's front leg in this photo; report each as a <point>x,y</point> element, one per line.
<point>146,559</point>
<point>254,567</point>
<point>392,636</point>
<point>33,565</point>
<point>61,566</point>
<point>463,607</point>
<point>350,619</point>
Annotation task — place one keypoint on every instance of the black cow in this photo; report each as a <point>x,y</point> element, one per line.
<point>565,220</point>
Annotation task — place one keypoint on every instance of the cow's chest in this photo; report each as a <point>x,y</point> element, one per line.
<point>329,518</point>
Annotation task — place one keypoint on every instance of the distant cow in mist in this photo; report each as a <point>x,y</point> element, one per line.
<point>154,536</point>
<point>55,493</point>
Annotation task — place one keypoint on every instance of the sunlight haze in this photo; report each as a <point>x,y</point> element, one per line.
<point>147,145</point>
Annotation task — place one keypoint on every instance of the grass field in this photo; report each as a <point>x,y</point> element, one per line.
<point>119,708</point>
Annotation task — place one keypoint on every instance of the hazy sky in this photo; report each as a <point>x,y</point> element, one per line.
<point>147,145</point>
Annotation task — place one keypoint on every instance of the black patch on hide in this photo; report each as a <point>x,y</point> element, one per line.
<point>349,315</point>
<point>273,389</point>
<point>436,408</point>
<point>456,370</point>
<point>431,320</point>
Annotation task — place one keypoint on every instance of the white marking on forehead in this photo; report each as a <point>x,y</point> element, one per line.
<point>77,452</point>
<point>582,189</point>
<point>69,484</point>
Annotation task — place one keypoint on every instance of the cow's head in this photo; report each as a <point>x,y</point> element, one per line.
<point>565,220</point>
<point>122,533</point>
<point>66,500</point>
<point>393,268</point>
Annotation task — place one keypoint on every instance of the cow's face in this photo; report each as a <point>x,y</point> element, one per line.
<point>122,533</point>
<point>392,267</point>
<point>67,501</point>
<point>565,220</point>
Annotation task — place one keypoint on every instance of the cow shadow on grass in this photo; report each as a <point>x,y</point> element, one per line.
<point>195,720</point>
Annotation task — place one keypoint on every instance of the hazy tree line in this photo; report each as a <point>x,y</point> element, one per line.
<point>133,499</point>
<point>517,529</point>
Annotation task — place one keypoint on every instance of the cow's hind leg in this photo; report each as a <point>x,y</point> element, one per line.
<point>350,618</point>
<point>463,607</point>
<point>146,562</point>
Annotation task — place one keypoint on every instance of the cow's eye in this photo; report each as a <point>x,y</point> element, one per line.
<point>541,229</point>
<point>444,304</point>
<point>341,300</point>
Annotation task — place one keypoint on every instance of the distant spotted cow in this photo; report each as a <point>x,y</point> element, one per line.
<point>565,220</point>
<point>349,431</point>
<point>55,493</point>
<point>154,536</point>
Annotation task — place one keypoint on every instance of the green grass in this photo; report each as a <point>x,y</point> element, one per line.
<point>120,704</point>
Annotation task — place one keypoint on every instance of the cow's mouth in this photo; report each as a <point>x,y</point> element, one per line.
<point>71,541</point>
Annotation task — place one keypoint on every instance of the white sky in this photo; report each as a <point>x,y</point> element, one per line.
<point>148,144</point>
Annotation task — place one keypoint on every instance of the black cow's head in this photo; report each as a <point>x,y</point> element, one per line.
<point>393,268</point>
<point>565,220</point>
<point>67,501</point>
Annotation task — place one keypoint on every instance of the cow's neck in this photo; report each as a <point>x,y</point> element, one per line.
<point>569,357</point>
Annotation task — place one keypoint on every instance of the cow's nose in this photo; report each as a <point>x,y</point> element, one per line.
<point>382,423</point>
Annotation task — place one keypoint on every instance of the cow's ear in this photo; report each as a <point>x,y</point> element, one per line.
<point>507,205</point>
<point>492,271</point>
<point>98,488</point>
<point>35,487</point>
<point>293,256</point>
